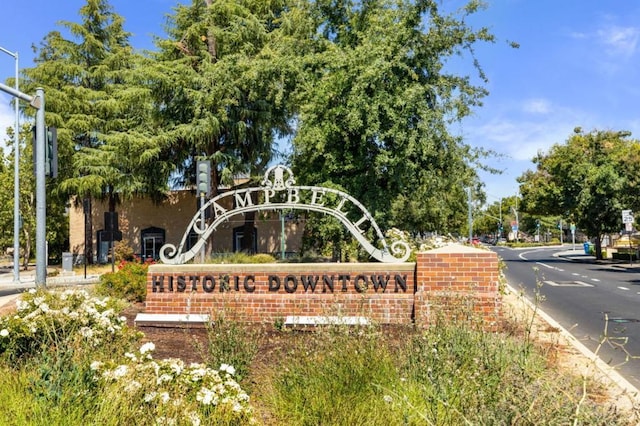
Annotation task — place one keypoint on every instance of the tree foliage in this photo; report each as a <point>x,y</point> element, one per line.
<point>92,97</point>
<point>218,87</point>
<point>362,87</point>
<point>376,105</point>
<point>58,226</point>
<point>590,179</point>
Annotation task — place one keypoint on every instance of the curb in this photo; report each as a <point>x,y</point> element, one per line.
<point>627,389</point>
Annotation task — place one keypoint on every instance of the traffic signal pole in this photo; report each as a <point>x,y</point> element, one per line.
<point>203,189</point>
<point>37,102</point>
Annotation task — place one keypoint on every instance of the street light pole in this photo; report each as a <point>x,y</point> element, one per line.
<point>16,176</point>
<point>470,216</point>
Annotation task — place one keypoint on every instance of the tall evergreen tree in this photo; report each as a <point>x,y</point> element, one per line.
<point>106,143</point>
<point>219,91</point>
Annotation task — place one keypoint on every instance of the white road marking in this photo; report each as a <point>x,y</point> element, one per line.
<point>550,267</point>
<point>595,279</point>
<point>568,284</point>
<point>623,288</point>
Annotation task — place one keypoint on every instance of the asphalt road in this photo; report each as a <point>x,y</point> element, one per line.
<point>597,302</point>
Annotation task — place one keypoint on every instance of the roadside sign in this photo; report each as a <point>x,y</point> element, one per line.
<point>627,216</point>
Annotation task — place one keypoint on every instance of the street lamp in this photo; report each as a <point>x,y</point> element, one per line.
<point>16,177</point>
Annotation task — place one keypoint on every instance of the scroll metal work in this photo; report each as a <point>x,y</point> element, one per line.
<point>279,192</point>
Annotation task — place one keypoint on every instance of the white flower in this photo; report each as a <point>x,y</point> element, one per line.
<point>207,397</point>
<point>150,396</point>
<point>387,399</point>
<point>86,332</point>
<point>4,332</point>
<point>228,369</point>
<point>195,419</point>
<point>120,371</point>
<point>164,378</point>
<point>132,386</point>
<point>176,366</point>
<point>147,347</point>
<point>166,421</point>
<point>95,365</point>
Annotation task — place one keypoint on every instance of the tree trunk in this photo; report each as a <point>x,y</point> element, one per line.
<point>598,247</point>
<point>88,229</point>
<point>211,40</point>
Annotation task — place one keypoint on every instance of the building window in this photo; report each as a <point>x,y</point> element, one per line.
<point>105,240</point>
<point>238,236</point>
<point>152,240</point>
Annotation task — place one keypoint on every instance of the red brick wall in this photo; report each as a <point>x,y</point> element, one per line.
<point>452,283</point>
<point>354,293</point>
<point>458,283</point>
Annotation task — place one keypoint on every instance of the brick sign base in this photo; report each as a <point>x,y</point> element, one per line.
<point>450,281</point>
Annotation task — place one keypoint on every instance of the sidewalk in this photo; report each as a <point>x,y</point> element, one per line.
<point>580,256</point>
<point>10,289</point>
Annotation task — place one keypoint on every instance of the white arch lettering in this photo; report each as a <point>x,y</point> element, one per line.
<point>291,200</point>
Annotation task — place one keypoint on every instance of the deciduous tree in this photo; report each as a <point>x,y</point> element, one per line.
<point>591,177</point>
<point>376,106</point>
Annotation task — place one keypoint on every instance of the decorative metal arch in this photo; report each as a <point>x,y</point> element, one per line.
<point>280,193</point>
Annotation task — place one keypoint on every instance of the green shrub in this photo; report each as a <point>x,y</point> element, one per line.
<point>123,251</point>
<point>141,390</point>
<point>241,257</point>
<point>231,342</point>
<point>129,282</point>
<point>49,320</point>
<point>336,376</point>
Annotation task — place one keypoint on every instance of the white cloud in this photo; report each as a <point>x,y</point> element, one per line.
<point>537,106</point>
<point>522,140</point>
<point>620,40</point>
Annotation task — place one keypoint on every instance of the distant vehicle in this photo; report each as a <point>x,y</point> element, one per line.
<point>475,241</point>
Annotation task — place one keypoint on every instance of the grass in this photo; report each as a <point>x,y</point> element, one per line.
<point>67,358</point>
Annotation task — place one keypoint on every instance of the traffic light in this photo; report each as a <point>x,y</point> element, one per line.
<point>51,153</point>
<point>203,177</point>
<point>537,224</point>
<point>559,225</point>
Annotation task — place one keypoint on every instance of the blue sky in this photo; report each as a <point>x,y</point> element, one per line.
<point>577,66</point>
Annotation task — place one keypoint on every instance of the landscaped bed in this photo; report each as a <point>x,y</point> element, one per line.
<point>103,371</point>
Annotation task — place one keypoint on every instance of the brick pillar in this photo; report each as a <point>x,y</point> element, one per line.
<point>458,283</point>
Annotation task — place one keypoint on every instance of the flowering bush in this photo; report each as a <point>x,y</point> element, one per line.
<point>129,282</point>
<point>44,319</point>
<point>172,392</point>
